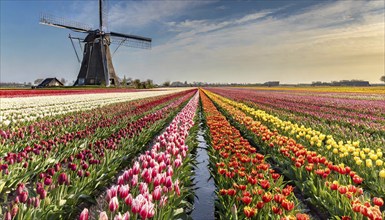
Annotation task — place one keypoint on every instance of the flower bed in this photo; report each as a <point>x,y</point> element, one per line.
<point>247,185</point>
<point>334,187</point>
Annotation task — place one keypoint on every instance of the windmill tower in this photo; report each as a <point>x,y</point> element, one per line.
<point>96,67</point>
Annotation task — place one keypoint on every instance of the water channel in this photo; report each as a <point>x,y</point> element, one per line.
<point>205,193</point>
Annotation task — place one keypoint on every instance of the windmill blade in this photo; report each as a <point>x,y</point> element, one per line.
<point>130,40</point>
<point>103,15</point>
<point>64,23</point>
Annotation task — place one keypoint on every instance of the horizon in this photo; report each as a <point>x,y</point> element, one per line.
<point>232,42</point>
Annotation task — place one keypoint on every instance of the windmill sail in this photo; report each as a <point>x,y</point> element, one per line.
<point>51,20</point>
<point>130,40</point>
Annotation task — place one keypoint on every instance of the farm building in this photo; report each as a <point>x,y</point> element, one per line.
<point>50,82</point>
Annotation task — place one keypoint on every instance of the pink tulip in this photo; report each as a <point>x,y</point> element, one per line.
<point>177,163</point>
<point>112,192</point>
<point>14,210</point>
<point>63,179</point>
<point>169,171</point>
<point>36,203</point>
<point>176,187</point>
<point>157,193</point>
<point>147,210</point>
<point>114,204</point>
<point>123,191</point>
<point>23,196</point>
<point>134,180</point>
<point>121,180</point>
<point>103,216</point>
<point>126,216</point>
<point>20,188</point>
<point>127,174</point>
<point>118,216</point>
<point>128,200</point>
<point>84,215</point>
<point>137,203</point>
<point>43,194</point>
<point>7,216</point>
<point>143,188</point>
<point>168,182</point>
<point>136,168</point>
<point>47,181</point>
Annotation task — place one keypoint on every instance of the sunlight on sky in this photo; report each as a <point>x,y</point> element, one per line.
<point>214,41</point>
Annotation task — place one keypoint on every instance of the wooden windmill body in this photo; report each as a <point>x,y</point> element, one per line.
<point>96,66</point>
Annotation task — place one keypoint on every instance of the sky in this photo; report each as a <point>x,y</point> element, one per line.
<point>204,41</point>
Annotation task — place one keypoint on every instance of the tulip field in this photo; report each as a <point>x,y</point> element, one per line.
<point>274,153</point>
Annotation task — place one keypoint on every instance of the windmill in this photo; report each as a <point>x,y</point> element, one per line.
<point>96,67</point>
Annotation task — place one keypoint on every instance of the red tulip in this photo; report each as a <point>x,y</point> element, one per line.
<point>378,201</point>
<point>301,216</point>
<point>260,204</point>
<point>265,184</point>
<point>278,198</point>
<point>231,192</point>
<point>288,205</point>
<point>249,212</point>
<point>246,199</point>
<point>267,197</point>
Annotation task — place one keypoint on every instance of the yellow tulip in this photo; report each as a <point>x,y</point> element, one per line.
<point>382,173</point>
<point>379,163</point>
<point>359,162</point>
<point>369,163</point>
<point>373,156</point>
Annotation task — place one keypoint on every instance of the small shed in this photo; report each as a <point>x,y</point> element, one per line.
<point>50,82</point>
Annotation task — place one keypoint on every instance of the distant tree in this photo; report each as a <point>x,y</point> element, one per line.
<point>124,81</point>
<point>136,83</point>
<point>37,81</point>
<point>149,84</point>
<point>382,78</point>
<point>64,81</point>
<point>167,84</point>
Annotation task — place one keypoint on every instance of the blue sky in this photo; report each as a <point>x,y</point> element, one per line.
<point>214,41</point>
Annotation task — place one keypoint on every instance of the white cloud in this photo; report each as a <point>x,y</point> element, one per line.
<point>133,14</point>
<point>338,40</point>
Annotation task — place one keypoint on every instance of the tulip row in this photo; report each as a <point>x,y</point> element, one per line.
<point>17,93</point>
<point>312,173</point>
<point>244,179</point>
<point>367,162</point>
<point>76,125</point>
<point>35,158</point>
<point>153,187</point>
<point>75,174</point>
<point>18,111</point>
